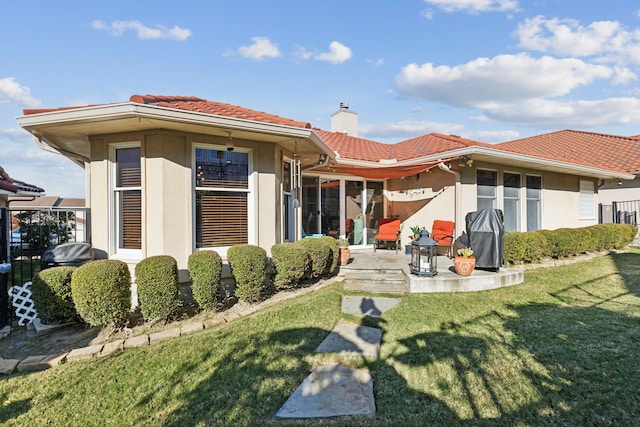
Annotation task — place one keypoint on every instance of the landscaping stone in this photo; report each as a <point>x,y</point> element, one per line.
<point>83,353</point>
<point>139,341</point>
<point>43,329</point>
<point>330,391</point>
<point>214,321</point>
<point>7,366</point>
<point>112,347</point>
<point>370,306</point>
<point>5,331</point>
<point>191,327</point>
<point>164,335</point>
<point>353,340</point>
<point>40,362</point>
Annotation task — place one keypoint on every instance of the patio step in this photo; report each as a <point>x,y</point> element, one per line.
<point>381,281</point>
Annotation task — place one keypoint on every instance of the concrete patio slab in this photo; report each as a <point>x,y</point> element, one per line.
<point>370,306</point>
<point>352,340</point>
<point>330,391</point>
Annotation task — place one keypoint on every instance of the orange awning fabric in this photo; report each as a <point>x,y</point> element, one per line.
<point>389,172</point>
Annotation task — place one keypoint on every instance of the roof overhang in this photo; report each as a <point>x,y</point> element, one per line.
<point>68,131</point>
<point>492,155</point>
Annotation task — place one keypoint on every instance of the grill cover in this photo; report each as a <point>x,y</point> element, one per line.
<point>67,254</point>
<point>485,229</point>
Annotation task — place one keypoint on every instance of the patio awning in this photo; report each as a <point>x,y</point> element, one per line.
<point>390,172</point>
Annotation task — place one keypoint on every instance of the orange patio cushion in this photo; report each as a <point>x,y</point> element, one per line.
<point>388,229</point>
<point>442,232</point>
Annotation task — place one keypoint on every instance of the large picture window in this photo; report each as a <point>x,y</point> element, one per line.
<point>487,183</point>
<point>128,198</point>
<point>222,197</point>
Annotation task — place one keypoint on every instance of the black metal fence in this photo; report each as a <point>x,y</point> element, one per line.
<point>24,236</point>
<point>620,212</point>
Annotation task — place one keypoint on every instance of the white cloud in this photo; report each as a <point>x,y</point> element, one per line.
<point>261,48</point>
<point>301,54</point>
<point>159,32</point>
<point>13,92</point>
<point>406,129</point>
<point>338,53</point>
<point>473,6</point>
<point>542,113</point>
<point>484,82</point>
<point>605,40</point>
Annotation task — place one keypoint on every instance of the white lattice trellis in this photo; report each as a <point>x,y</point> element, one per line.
<point>21,300</point>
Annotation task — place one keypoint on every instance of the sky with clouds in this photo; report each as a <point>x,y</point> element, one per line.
<point>489,70</point>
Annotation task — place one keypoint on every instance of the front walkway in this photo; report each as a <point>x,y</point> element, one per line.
<point>367,262</point>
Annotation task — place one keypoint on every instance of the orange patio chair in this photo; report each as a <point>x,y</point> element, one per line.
<point>443,233</point>
<point>388,231</point>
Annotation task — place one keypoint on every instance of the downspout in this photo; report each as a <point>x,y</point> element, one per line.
<point>457,193</point>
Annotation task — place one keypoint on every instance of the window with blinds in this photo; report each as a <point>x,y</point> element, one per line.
<point>128,198</point>
<point>587,200</point>
<point>221,197</point>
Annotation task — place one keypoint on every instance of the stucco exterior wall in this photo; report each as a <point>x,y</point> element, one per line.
<point>167,196</point>
<point>421,200</point>
<point>626,191</point>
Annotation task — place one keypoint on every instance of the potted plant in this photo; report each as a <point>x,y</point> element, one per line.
<point>345,253</point>
<point>464,262</point>
<point>415,233</point>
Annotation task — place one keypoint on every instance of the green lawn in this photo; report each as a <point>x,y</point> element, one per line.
<point>560,349</point>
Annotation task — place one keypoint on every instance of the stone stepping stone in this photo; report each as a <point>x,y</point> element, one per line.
<point>369,306</point>
<point>352,340</point>
<point>330,391</point>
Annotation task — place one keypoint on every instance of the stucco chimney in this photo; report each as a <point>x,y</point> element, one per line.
<point>344,120</point>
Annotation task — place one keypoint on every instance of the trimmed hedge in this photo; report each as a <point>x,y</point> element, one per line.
<point>319,252</point>
<point>157,282</point>
<point>529,247</point>
<point>334,254</point>
<point>101,291</point>
<point>248,265</point>
<point>205,270</point>
<point>51,294</point>
<point>290,264</point>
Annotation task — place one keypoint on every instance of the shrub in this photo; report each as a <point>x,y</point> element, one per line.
<point>51,294</point>
<point>290,264</point>
<point>248,266</point>
<point>157,282</point>
<point>319,253</point>
<point>514,247</point>
<point>205,270</point>
<point>334,254</point>
<point>534,246</point>
<point>101,291</point>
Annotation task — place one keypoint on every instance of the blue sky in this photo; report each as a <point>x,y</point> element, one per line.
<point>489,70</point>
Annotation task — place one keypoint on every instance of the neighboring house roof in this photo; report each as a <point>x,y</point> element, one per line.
<point>47,202</point>
<point>9,185</point>
<point>612,152</point>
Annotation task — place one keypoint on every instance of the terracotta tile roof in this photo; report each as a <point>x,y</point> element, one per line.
<point>611,152</point>
<point>14,186</point>
<point>350,147</point>
<point>430,144</point>
<point>191,103</point>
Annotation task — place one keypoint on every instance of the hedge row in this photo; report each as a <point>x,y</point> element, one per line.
<point>533,246</point>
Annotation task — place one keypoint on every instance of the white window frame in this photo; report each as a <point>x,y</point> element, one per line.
<point>517,199</point>
<point>587,202</point>
<point>539,218</point>
<point>114,212</point>
<point>496,196</point>
<point>251,195</point>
